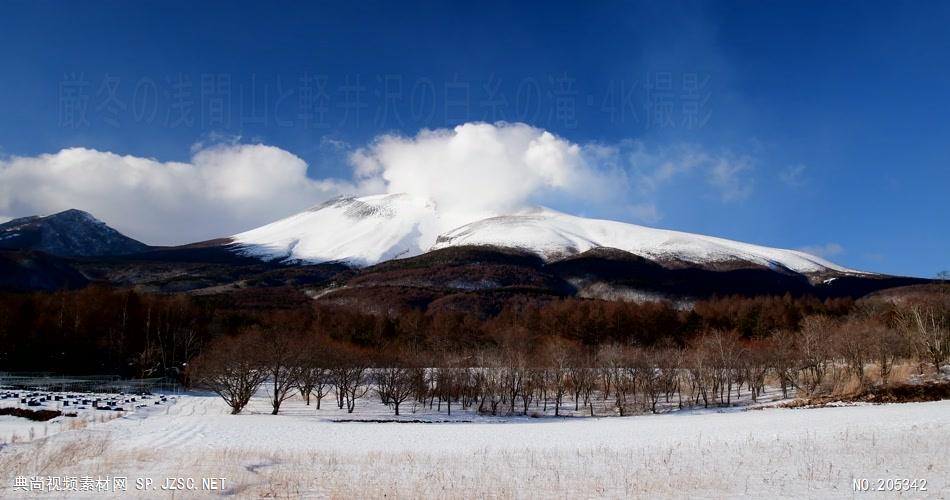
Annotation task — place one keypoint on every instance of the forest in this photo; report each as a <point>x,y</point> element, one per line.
<point>104,330</point>
<point>608,357</point>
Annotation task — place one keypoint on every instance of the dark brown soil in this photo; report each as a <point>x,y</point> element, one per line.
<point>35,415</point>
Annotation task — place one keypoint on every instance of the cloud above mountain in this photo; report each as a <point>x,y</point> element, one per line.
<point>826,250</point>
<point>482,167</point>
<point>472,170</point>
<point>222,189</point>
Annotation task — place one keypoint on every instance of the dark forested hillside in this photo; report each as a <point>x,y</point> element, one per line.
<point>148,314</point>
<point>105,330</point>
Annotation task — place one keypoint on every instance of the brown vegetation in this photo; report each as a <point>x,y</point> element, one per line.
<point>897,393</point>
<point>517,355</point>
<point>516,371</point>
<point>35,415</point>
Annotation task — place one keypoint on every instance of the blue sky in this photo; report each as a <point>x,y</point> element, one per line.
<point>822,125</point>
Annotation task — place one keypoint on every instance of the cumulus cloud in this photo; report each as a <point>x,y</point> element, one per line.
<point>482,167</point>
<point>827,250</point>
<point>493,168</point>
<point>223,189</point>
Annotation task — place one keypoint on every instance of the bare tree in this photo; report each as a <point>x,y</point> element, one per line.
<point>350,373</point>
<point>446,378</point>
<point>581,378</point>
<point>726,351</point>
<point>489,381</point>
<point>513,372</point>
<point>850,343</point>
<point>811,344</point>
<point>557,355</point>
<point>886,346</point>
<point>314,382</point>
<point>313,377</point>
<point>533,383</point>
<point>755,365</point>
<point>651,377</point>
<point>231,368</point>
<point>782,356</point>
<point>394,383</point>
<point>930,328</point>
<point>702,379</point>
<point>280,356</point>
<point>609,367</point>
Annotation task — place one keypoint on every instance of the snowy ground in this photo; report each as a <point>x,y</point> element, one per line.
<point>83,409</point>
<point>765,453</point>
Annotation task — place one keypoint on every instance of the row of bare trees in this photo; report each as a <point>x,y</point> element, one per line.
<point>717,367</point>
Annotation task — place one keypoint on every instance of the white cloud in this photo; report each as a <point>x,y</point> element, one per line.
<point>645,212</point>
<point>827,250</point>
<point>224,189</point>
<point>729,178</point>
<point>793,176</point>
<point>654,168</point>
<point>482,167</point>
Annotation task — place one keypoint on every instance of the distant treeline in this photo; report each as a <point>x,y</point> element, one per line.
<point>105,330</point>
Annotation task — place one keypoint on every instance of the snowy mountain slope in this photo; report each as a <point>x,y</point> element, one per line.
<point>71,233</point>
<point>555,235</point>
<point>372,229</point>
<point>359,231</point>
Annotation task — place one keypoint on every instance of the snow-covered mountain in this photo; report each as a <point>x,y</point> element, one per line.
<point>358,231</point>
<point>71,233</point>
<point>365,231</point>
<point>555,235</point>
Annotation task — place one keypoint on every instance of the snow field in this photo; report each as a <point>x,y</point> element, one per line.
<point>16,429</point>
<point>767,453</point>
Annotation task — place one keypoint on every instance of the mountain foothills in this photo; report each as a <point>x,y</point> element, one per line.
<point>399,251</point>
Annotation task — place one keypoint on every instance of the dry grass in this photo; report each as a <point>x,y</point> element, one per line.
<point>744,464</point>
<point>841,382</point>
<point>46,456</point>
<point>801,464</point>
<point>902,373</point>
<point>75,424</point>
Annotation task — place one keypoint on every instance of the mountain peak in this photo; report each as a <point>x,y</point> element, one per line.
<point>359,231</point>
<point>70,233</point>
<point>73,212</point>
<point>75,215</point>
